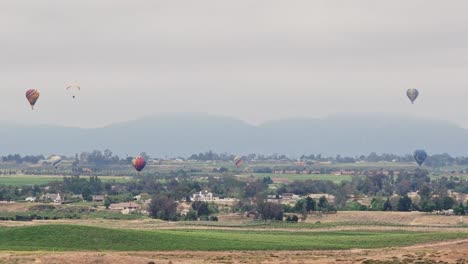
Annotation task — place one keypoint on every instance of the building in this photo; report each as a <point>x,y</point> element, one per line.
<point>77,196</point>
<point>204,197</point>
<point>30,199</point>
<point>125,208</point>
<point>98,198</point>
<point>287,196</point>
<point>53,197</point>
<point>280,180</point>
<point>317,196</point>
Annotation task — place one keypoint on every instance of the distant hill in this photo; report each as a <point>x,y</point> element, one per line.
<point>185,134</point>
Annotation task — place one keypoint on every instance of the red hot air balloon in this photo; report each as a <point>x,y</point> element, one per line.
<point>32,95</point>
<point>238,160</point>
<point>139,163</point>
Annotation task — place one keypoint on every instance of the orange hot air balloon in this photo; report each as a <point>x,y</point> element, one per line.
<point>32,95</point>
<point>139,163</point>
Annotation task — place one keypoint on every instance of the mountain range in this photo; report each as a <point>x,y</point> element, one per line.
<point>185,134</point>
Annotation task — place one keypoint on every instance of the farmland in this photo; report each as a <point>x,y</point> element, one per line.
<point>350,236</point>
<point>28,180</point>
<point>51,238</point>
<point>302,177</point>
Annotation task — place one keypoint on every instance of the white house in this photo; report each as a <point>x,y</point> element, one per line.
<point>30,199</point>
<point>204,197</point>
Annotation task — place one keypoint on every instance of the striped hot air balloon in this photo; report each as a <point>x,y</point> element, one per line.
<point>412,94</point>
<point>55,160</point>
<point>238,161</point>
<point>139,163</point>
<point>32,95</point>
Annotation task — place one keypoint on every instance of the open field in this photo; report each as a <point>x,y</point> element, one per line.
<point>443,252</point>
<point>27,180</point>
<point>302,177</point>
<point>345,237</point>
<point>77,238</point>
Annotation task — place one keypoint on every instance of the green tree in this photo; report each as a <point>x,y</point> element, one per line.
<point>310,204</point>
<point>161,207</point>
<point>323,203</point>
<point>271,211</point>
<point>404,204</point>
<point>202,208</point>
<point>448,203</point>
<point>378,204</point>
<point>107,203</point>
<point>191,216</point>
<point>460,209</point>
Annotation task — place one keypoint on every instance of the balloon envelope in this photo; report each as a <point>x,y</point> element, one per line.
<point>420,156</point>
<point>55,160</point>
<point>139,163</point>
<point>412,94</point>
<point>238,161</point>
<point>32,95</point>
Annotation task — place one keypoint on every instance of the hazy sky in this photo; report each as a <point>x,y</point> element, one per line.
<point>253,60</point>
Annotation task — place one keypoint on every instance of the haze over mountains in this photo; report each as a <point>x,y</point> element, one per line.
<point>186,134</point>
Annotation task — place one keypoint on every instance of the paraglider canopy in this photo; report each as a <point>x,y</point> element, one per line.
<point>139,163</point>
<point>32,95</point>
<point>238,161</point>
<point>412,94</point>
<point>420,156</point>
<point>73,89</point>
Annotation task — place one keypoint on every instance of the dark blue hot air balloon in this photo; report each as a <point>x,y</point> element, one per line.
<point>420,156</point>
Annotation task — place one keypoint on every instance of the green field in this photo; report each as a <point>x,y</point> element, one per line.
<point>82,238</point>
<point>27,180</point>
<point>302,177</point>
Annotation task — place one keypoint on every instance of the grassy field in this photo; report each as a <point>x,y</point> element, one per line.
<point>82,238</point>
<point>27,180</point>
<point>302,177</point>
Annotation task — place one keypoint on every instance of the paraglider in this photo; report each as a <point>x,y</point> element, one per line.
<point>412,94</point>
<point>73,89</point>
<point>238,161</point>
<point>139,163</point>
<point>420,156</point>
<point>32,95</point>
<point>55,160</point>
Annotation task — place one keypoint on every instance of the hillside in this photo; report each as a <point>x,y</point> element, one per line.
<point>185,134</point>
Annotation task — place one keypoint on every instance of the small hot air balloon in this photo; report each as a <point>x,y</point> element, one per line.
<point>139,163</point>
<point>420,156</point>
<point>238,161</point>
<point>32,95</point>
<point>73,89</point>
<point>55,160</point>
<point>412,94</point>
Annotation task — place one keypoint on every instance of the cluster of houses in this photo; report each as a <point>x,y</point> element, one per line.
<point>291,199</point>
<point>139,204</point>
<point>305,171</point>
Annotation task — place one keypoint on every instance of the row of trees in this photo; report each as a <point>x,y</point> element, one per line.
<point>17,158</point>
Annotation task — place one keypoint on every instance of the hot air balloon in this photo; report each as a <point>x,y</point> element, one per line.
<point>412,94</point>
<point>139,163</point>
<point>73,89</point>
<point>238,161</point>
<point>55,160</point>
<point>420,156</point>
<point>32,95</point>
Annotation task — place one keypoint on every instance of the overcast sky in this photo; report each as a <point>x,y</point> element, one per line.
<point>253,60</point>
